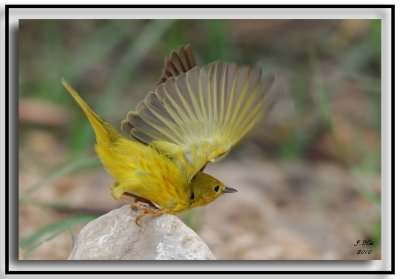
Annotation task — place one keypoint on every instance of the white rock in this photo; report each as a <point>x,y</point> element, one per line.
<point>115,236</point>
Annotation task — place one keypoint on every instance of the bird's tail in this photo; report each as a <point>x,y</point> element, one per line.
<point>104,131</point>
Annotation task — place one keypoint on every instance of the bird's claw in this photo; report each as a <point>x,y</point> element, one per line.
<point>145,210</point>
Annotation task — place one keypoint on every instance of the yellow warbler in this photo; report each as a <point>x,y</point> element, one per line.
<point>193,116</point>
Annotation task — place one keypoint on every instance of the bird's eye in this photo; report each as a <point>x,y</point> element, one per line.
<point>216,188</point>
<point>192,196</point>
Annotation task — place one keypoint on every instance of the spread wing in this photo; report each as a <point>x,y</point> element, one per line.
<point>197,116</point>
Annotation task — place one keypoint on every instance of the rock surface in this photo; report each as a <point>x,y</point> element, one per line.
<point>115,236</point>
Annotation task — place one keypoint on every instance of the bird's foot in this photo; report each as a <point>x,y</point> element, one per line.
<point>146,210</point>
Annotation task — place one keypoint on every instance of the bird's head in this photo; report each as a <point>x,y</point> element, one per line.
<point>205,189</point>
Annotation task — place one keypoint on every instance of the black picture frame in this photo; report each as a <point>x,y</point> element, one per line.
<point>9,132</point>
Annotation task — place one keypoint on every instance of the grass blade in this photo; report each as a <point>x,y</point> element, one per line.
<point>72,167</point>
<point>54,229</point>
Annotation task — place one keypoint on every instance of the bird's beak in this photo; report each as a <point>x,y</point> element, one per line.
<point>229,190</point>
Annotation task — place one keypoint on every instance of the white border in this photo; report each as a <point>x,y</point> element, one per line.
<point>384,14</point>
<point>198,13</point>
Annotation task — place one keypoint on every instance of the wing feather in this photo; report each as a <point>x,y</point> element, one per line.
<point>178,63</point>
<point>198,115</point>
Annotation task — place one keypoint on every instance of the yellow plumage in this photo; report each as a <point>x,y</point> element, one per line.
<point>194,116</point>
<point>136,167</point>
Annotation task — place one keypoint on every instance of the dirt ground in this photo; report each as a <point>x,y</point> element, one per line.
<point>282,211</point>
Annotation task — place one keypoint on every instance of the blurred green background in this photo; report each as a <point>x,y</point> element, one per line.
<point>314,161</point>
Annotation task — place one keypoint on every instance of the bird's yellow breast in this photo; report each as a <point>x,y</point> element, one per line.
<point>142,170</point>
